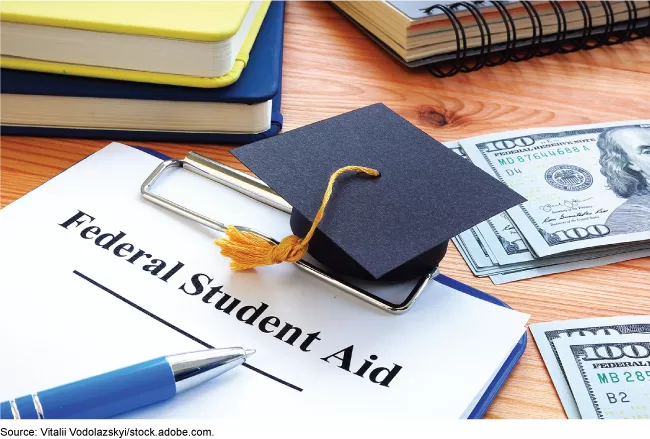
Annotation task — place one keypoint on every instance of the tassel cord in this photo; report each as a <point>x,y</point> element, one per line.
<point>248,250</point>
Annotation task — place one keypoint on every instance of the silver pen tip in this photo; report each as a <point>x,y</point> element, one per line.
<point>248,352</point>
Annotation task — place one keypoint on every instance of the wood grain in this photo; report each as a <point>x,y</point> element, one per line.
<point>330,68</point>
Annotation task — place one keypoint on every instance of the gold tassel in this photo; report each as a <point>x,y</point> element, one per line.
<point>247,250</point>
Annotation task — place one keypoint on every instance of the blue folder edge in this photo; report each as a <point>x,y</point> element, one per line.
<point>510,363</point>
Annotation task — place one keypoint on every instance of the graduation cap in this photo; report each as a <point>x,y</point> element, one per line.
<point>385,196</point>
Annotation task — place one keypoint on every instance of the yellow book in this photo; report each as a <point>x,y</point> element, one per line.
<point>190,43</point>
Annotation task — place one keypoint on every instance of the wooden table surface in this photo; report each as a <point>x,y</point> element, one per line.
<point>330,68</point>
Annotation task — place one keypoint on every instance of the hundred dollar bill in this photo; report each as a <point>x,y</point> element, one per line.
<point>505,276</point>
<point>576,261</point>
<point>494,248</point>
<point>485,239</point>
<point>468,243</point>
<point>587,186</point>
<point>503,239</point>
<point>498,239</point>
<point>609,376</point>
<point>547,335</point>
<point>474,254</point>
<point>473,251</point>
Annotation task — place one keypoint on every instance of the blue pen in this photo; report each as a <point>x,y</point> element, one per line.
<point>112,393</point>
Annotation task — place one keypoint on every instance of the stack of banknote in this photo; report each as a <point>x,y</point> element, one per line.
<point>600,367</point>
<point>588,192</point>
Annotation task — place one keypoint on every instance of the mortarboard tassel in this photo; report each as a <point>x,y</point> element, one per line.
<point>247,250</point>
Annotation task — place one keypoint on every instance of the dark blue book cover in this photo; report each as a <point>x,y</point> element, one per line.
<point>260,81</point>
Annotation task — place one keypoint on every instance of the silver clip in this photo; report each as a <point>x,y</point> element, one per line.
<point>256,189</point>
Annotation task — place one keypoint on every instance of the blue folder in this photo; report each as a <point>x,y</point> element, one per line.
<point>259,82</point>
<point>508,365</point>
<point>493,388</point>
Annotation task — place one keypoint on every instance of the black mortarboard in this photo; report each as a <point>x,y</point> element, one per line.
<point>395,226</point>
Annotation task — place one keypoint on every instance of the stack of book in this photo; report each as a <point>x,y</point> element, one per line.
<point>205,72</point>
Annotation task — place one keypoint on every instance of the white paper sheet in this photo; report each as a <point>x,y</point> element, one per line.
<point>57,326</point>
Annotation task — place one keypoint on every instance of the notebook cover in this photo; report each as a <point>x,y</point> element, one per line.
<point>137,76</point>
<point>203,21</point>
<point>416,10</point>
<point>260,82</point>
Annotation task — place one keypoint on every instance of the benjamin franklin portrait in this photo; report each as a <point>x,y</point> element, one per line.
<point>625,162</point>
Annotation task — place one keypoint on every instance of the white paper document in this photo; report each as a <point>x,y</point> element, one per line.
<point>95,278</point>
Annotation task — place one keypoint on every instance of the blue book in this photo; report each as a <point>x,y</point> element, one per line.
<point>49,105</point>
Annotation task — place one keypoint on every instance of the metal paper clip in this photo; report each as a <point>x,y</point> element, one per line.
<point>256,189</point>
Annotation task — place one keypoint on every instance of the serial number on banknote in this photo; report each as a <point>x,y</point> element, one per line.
<point>629,377</point>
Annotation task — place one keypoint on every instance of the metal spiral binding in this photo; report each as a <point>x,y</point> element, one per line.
<point>453,66</point>
<point>511,35</point>
<point>491,54</point>
<point>486,47</point>
<point>579,44</point>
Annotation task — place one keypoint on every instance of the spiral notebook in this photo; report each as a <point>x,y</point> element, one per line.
<point>452,37</point>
